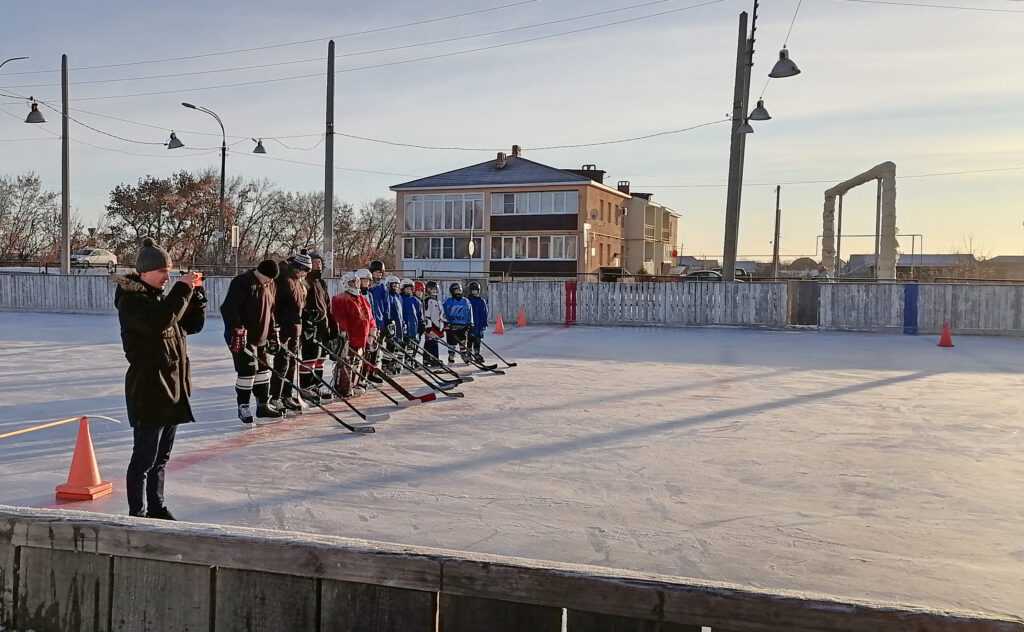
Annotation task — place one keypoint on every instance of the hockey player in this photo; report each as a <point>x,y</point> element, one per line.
<point>317,327</point>
<point>372,348</point>
<point>394,323</point>
<point>378,294</point>
<point>476,332</point>
<point>419,291</point>
<point>412,316</point>
<point>291,299</point>
<point>458,317</point>
<point>433,324</point>
<point>250,332</point>
<point>352,315</point>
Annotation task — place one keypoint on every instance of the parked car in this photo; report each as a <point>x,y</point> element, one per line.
<point>703,275</point>
<point>90,257</point>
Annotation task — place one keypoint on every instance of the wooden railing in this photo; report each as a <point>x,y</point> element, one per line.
<point>70,571</point>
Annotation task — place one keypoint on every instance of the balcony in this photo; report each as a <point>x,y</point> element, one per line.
<point>649,232</point>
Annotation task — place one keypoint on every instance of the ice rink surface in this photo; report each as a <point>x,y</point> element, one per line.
<point>865,466</point>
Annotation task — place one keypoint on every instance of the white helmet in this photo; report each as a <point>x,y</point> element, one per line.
<point>350,282</point>
<point>407,283</point>
<point>363,273</point>
<point>391,279</point>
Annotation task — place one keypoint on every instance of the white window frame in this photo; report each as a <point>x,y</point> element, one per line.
<point>566,244</point>
<point>437,212</point>
<point>536,203</point>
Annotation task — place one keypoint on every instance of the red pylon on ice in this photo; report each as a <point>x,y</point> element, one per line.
<point>84,481</point>
<point>946,339</point>
<point>499,327</point>
<point>521,318</point>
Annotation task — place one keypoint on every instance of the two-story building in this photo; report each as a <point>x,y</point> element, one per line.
<point>521,217</point>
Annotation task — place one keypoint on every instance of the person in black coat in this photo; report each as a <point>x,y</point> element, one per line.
<point>317,328</point>
<point>250,331</point>
<point>158,383</point>
<point>288,306</point>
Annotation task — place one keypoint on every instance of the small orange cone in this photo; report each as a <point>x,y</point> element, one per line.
<point>946,339</point>
<point>499,327</point>
<point>521,318</point>
<point>84,482</point>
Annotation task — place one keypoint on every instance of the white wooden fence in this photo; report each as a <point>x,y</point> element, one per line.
<point>969,308</point>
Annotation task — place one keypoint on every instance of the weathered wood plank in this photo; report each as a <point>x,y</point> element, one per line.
<point>579,621</point>
<point>351,607</point>
<point>63,590</point>
<point>151,596</point>
<point>7,559</point>
<point>251,601</point>
<point>473,614</point>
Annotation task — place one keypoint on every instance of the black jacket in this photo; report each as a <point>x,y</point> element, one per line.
<point>291,300</point>
<point>153,329</point>
<point>318,307</point>
<point>249,303</point>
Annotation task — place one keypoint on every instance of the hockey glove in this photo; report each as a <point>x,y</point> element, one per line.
<point>392,330</point>
<point>239,337</point>
<point>274,342</point>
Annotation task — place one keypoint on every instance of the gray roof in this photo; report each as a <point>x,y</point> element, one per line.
<point>863,262</point>
<point>1006,259</point>
<point>518,170</point>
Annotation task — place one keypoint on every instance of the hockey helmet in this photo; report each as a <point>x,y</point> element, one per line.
<point>391,279</point>
<point>407,283</point>
<point>473,287</point>
<point>362,273</point>
<point>376,266</point>
<point>455,288</point>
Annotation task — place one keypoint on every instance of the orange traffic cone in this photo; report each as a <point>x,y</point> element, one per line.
<point>521,318</point>
<point>946,339</point>
<point>84,482</point>
<point>499,327</point>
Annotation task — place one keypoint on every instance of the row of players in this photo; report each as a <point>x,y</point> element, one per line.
<point>283,316</point>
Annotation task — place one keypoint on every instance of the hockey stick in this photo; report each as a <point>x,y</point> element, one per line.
<point>440,388</point>
<point>493,368</point>
<point>368,418</point>
<point>349,427</point>
<point>410,401</point>
<point>429,397</point>
<point>445,368</point>
<point>497,355</point>
<point>413,365</point>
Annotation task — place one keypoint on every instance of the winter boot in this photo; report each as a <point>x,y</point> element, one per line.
<point>160,513</point>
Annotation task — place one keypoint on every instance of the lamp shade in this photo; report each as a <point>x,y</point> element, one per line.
<point>760,113</point>
<point>34,115</point>
<point>784,67</point>
<point>174,143</point>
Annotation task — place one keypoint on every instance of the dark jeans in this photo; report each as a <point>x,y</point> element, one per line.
<point>150,454</point>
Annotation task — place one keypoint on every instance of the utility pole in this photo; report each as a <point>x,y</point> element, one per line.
<point>738,142</point>
<point>65,180</point>
<point>775,242</point>
<point>328,271</point>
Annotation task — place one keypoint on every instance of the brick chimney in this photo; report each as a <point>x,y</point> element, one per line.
<point>501,161</point>
<point>516,151</point>
<point>624,186</point>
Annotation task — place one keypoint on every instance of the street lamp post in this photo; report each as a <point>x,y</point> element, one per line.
<point>223,164</point>
<point>741,117</point>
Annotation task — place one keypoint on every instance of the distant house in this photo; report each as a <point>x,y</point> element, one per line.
<point>692,264</point>
<point>652,233</point>
<point>920,267</point>
<point>1003,267</point>
<point>522,218</point>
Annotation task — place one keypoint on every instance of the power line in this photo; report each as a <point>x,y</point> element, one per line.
<point>936,6</point>
<point>785,43</point>
<point>321,166</point>
<point>284,44</point>
<point>935,174</point>
<point>403,61</point>
<point>353,53</point>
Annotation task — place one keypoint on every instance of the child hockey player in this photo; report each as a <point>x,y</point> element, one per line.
<point>353,317</point>
<point>412,316</point>
<point>433,324</point>
<point>458,316</point>
<point>476,332</point>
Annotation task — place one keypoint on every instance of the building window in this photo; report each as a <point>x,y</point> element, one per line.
<point>440,248</point>
<point>534,247</point>
<point>535,203</point>
<point>445,212</point>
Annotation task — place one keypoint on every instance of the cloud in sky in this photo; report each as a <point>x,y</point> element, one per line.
<point>932,90</point>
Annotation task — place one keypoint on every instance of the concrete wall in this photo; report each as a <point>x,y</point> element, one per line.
<point>70,570</point>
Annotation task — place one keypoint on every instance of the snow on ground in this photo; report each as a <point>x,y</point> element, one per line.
<point>859,465</point>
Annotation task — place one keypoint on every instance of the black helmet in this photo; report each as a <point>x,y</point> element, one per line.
<point>431,285</point>
<point>376,266</point>
<point>473,286</point>
<point>455,287</point>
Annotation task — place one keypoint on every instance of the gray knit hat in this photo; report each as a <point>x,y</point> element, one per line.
<point>301,261</point>
<point>151,257</point>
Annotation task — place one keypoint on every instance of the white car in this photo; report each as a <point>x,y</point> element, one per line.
<point>89,257</point>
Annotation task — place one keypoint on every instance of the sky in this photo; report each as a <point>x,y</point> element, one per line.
<point>933,90</point>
